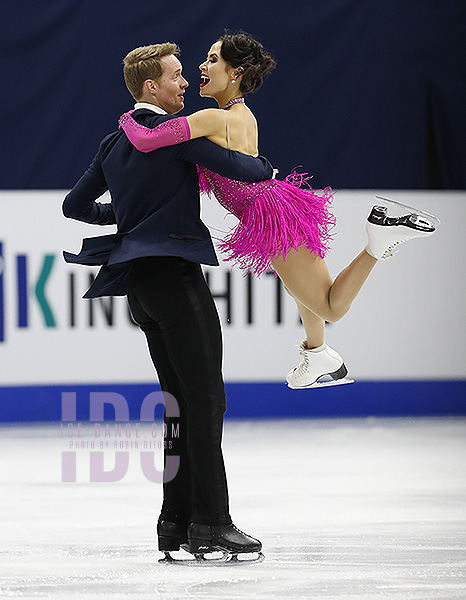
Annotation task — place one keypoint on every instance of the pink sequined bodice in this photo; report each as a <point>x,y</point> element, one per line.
<point>233,195</point>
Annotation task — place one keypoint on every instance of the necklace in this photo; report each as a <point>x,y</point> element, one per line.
<point>234,101</point>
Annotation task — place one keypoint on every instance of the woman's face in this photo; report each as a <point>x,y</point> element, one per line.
<point>216,74</point>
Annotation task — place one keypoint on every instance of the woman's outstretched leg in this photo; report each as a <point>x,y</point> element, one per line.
<point>306,277</point>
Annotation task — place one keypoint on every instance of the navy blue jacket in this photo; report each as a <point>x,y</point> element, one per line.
<point>155,202</point>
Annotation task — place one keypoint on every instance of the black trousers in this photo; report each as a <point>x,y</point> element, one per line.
<point>170,301</point>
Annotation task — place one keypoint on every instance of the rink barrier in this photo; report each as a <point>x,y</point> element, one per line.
<point>256,400</point>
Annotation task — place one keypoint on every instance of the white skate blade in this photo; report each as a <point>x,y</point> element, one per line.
<point>322,384</point>
<point>414,211</point>
<point>226,559</point>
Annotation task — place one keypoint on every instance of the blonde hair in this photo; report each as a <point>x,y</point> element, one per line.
<point>144,63</point>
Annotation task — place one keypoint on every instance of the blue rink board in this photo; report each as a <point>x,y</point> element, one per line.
<point>256,400</point>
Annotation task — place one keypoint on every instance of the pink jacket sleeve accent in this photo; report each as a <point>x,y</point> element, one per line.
<point>146,139</point>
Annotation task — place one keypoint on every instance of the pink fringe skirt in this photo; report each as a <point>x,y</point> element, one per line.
<point>281,215</point>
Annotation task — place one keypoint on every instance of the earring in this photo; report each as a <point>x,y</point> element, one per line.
<point>233,81</point>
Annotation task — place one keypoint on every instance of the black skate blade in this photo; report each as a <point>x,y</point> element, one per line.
<point>435,221</point>
<point>225,559</point>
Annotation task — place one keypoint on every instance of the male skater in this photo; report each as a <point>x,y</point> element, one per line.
<point>154,259</point>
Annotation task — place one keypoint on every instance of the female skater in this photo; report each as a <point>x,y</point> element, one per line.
<point>281,224</point>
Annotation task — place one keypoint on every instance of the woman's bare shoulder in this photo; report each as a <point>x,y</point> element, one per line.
<point>206,122</point>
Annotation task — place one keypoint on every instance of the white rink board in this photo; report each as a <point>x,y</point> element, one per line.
<point>407,323</point>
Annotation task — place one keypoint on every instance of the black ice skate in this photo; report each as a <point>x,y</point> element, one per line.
<point>224,545</point>
<point>171,536</point>
<point>386,233</point>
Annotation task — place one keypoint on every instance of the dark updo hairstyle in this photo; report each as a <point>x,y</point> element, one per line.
<point>241,50</point>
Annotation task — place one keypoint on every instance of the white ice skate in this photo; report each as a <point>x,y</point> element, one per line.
<point>321,367</point>
<point>386,233</point>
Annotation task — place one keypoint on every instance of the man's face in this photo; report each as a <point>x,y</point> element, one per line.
<point>171,86</point>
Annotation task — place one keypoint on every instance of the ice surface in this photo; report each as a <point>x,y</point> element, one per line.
<point>346,509</point>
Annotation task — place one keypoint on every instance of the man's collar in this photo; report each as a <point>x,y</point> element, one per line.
<point>149,106</point>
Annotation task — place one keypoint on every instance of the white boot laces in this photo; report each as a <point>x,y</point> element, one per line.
<point>389,251</point>
<point>304,364</point>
